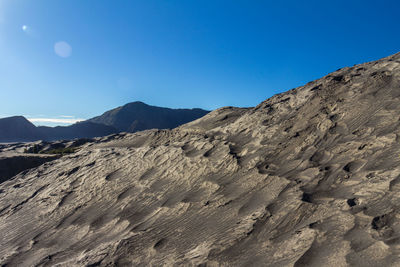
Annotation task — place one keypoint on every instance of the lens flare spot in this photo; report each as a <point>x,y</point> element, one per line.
<point>63,49</point>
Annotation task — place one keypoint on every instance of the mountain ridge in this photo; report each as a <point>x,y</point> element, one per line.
<point>141,117</point>
<point>137,116</point>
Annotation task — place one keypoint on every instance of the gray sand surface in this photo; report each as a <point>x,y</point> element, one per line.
<point>309,177</point>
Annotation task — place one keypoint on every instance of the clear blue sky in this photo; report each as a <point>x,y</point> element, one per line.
<point>185,53</point>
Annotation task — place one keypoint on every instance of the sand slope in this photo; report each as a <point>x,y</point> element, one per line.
<point>310,177</point>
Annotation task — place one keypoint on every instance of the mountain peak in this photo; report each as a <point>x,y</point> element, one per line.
<point>137,116</point>
<point>16,118</point>
<point>136,103</point>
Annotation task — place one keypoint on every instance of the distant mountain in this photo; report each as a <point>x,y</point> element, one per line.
<point>84,129</point>
<point>18,129</point>
<point>138,116</point>
<point>131,117</point>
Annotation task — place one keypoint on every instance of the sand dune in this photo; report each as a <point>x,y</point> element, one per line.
<point>309,177</point>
